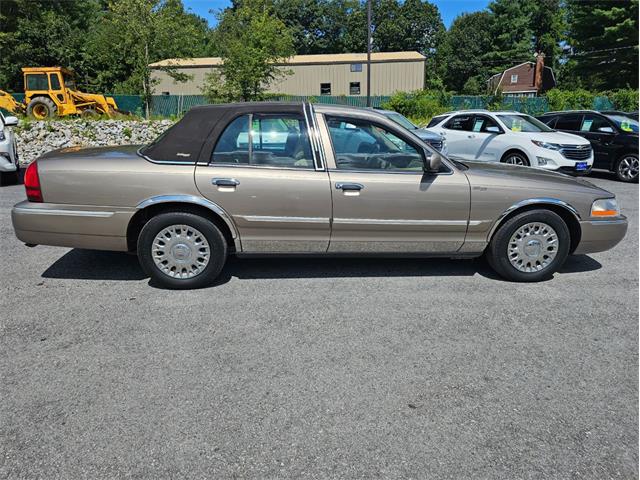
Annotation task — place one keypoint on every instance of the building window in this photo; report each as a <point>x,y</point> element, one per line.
<point>514,78</point>
<point>325,89</point>
<point>354,88</point>
<point>356,67</point>
<point>165,93</point>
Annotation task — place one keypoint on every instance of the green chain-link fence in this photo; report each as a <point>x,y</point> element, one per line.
<point>176,105</point>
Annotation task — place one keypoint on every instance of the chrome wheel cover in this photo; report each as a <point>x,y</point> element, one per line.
<point>532,247</point>
<point>180,251</point>
<point>628,168</point>
<point>516,160</point>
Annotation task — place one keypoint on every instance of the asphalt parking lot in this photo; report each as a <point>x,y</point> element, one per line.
<point>315,368</point>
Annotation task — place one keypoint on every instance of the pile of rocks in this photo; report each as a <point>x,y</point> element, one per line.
<point>36,138</point>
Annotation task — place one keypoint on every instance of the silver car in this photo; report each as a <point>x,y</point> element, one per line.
<point>342,181</point>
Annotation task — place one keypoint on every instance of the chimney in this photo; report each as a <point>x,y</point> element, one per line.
<point>538,72</point>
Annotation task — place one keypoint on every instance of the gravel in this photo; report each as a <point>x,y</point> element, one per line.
<point>316,368</point>
<point>37,137</point>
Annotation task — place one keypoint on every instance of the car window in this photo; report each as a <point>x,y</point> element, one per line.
<point>276,141</point>
<point>481,123</point>
<point>569,122</point>
<point>523,123</point>
<point>363,145</point>
<point>549,121</point>
<point>591,123</point>
<point>460,122</point>
<point>624,123</point>
<point>436,120</point>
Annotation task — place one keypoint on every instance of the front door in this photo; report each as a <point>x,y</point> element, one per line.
<point>383,202</point>
<point>460,137</point>
<point>601,133</point>
<point>262,173</point>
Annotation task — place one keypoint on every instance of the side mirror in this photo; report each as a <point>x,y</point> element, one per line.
<point>492,129</point>
<point>10,121</point>
<point>606,130</point>
<point>432,161</point>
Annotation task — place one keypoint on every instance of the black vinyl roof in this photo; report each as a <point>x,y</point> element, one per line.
<point>201,126</point>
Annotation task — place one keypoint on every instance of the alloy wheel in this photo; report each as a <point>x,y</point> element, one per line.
<point>628,168</point>
<point>515,159</point>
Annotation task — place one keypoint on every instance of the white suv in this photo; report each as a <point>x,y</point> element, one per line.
<point>512,137</point>
<point>8,151</point>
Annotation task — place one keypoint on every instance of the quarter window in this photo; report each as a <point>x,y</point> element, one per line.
<point>37,81</point>
<point>362,145</point>
<point>273,140</point>
<point>325,89</point>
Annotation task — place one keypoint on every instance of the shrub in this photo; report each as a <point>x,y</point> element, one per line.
<point>577,99</point>
<point>420,106</point>
<point>625,99</point>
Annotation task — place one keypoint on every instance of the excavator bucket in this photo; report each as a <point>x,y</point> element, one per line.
<point>7,102</point>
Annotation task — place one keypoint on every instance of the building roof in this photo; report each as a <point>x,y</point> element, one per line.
<point>300,59</point>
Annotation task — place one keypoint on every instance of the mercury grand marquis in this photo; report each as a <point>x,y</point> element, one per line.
<point>283,178</point>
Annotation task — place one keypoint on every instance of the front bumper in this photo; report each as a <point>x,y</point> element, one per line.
<point>554,160</point>
<point>601,235</point>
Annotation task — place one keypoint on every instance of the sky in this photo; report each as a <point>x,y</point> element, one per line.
<point>449,9</point>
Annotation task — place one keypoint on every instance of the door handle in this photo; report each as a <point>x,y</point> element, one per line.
<point>225,182</point>
<point>349,186</point>
<point>471,136</point>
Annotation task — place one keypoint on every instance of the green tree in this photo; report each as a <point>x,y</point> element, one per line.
<point>604,40</point>
<point>251,41</point>
<point>466,44</point>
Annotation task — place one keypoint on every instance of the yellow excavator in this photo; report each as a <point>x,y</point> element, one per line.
<point>51,92</point>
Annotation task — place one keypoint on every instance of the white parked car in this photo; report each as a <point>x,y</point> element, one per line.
<point>512,137</point>
<point>8,151</point>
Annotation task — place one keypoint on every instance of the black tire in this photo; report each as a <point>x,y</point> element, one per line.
<point>8,178</point>
<point>515,157</point>
<point>89,113</point>
<point>41,108</point>
<point>497,252</point>
<point>213,236</point>
<point>626,168</point>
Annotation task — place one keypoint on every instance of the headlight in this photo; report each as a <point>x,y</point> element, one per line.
<point>605,207</point>
<point>550,146</point>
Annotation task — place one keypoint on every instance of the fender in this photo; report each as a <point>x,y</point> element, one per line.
<point>192,199</point>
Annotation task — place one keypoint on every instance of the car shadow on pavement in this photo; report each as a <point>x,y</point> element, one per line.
<point>98,265</point>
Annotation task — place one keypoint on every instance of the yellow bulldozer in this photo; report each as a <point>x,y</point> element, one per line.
<point>51,91</point>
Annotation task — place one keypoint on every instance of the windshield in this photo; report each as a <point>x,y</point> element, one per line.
<point>626,124</point>
<point>523,123</point>
<point>402,121</point>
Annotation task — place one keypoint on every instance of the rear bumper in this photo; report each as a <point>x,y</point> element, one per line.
<point>601,235</point>
<point>99,228</point>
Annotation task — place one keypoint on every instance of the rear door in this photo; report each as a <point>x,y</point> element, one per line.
<point>601,133</point>
<point>486,144</point>
<point>383,202</point>
<point>460,137</point>
<point>264,173</point>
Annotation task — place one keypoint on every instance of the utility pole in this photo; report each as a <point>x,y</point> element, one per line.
<point>368,53</point>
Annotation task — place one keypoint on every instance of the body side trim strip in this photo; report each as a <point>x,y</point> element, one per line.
<point>267,218</point>
<point>61,212</point>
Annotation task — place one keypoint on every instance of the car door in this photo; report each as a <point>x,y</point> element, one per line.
<point>459,137</point>
<point>383,202</point>
<point>487,144</point>
<point>265,175</point>
<point>601,133</point>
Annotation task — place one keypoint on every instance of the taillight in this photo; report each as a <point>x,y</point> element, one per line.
<point>32,183</point>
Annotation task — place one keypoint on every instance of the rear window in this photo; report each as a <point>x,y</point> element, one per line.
<point>436,120</point>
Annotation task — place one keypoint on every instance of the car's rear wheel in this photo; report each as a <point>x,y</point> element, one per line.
<point>627,167</point>
<point>516,158</point>
<point>530,246</point>
<point>181,250</point>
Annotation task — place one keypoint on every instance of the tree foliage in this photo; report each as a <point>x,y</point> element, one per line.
<point>251,41</point>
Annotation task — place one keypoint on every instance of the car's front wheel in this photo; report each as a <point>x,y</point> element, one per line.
<point>516,158</point>
<point>181,250</point>
<point>626,168</point>
<point>530,246</point>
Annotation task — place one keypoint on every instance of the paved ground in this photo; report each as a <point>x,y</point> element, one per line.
<point>318,368</point>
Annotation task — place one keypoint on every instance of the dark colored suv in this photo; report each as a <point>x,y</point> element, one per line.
<point>614,138</point>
